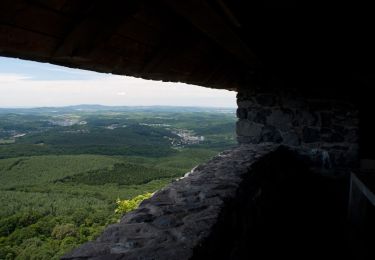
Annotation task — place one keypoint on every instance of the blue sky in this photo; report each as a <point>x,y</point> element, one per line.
<point>33,84</point>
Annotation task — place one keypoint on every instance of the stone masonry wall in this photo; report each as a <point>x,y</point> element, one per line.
<point>326,128</point>
<point>245,203</point>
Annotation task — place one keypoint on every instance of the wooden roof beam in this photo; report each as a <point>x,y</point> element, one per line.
<point>202,16</point>
<point>103,19</point>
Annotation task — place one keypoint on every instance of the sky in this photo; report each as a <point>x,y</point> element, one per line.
<point>33,84</point>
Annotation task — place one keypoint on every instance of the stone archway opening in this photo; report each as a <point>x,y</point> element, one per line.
<point>74,142</point>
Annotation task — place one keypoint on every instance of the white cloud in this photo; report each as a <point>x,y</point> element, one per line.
<point>19,90</point>
<point>64,70</point>
<point>12,78</point>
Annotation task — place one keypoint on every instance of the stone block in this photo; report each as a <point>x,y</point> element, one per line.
<point>271,134</point>
<point>266,99</point>
<point>241,113</point>
<point>245,103</point>
<point>244,140</point>
<point>310,135</point>
<point>280,119</point>
<point>320,105</point>
<point>341,130</point>
<point>326,119</point>
<point>258,115</point>
<point>249,128</point>
<point>306,118</point>
<point>291,138</point>
<point>294,103</point>
<point>352,136</point>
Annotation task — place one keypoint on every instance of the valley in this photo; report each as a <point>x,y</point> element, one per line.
<point>63,169</point>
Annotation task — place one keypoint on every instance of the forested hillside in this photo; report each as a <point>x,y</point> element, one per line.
<point>63,169</point>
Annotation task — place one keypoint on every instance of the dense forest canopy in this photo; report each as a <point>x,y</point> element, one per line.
<point>66,173</point>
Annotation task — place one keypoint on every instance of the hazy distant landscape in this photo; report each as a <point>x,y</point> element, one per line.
<point>62,169</point>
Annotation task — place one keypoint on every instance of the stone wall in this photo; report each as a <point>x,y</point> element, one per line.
<point>179,217</point>
<point>327,128</point>
<point>245,203</point>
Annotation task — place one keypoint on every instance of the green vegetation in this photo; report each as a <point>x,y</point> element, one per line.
<point>124,206</point>
<point>63,169</point>
<point>124,173</point>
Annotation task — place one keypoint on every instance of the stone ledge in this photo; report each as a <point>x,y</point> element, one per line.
<point>179,217</point>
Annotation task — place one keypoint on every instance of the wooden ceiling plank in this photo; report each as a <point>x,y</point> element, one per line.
<point>232,18</point>
<point>203,17</point>
<point>48,23</point>
<point>27,43</point>
<point>101,21</point>
<point>139,32</point>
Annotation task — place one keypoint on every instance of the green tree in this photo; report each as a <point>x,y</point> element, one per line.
<point>65,230</point>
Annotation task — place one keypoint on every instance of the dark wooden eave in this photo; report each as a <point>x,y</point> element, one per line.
<point>188,41</point>
<point>228,44</point>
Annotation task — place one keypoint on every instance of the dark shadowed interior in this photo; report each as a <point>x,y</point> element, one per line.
<point>281,209</point>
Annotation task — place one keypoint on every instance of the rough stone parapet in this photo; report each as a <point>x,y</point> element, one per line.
<point>179,217</point>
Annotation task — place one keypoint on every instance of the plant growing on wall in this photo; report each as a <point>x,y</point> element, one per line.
<point>124,206</point>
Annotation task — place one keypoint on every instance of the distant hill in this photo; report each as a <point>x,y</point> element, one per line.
<point>96,107</point>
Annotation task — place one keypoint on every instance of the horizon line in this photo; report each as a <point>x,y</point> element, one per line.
<point>33,107</point>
